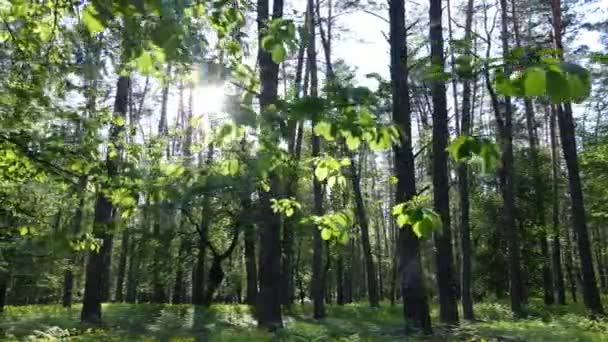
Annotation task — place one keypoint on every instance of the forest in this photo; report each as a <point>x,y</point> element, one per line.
<point>305,170</point>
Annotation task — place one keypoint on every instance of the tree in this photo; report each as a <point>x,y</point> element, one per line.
<point>463,181</point>
<point>415,304</point>
<point>566,127</point>
<point>268,307</point>
<point>441,196</point>
<point>98,263</point>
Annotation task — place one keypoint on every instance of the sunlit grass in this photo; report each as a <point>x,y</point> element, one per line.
<point>352,322</point>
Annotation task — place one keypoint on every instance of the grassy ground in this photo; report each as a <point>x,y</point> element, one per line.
<point>355,322</point>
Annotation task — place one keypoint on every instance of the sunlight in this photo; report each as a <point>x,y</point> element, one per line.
<point>208,99</point>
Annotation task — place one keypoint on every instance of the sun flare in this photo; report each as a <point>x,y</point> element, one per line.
<point>208,99</point>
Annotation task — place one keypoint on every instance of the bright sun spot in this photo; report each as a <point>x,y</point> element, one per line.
<point>208,99</point>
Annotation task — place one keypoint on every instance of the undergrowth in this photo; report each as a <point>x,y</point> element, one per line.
<point>352,322</point>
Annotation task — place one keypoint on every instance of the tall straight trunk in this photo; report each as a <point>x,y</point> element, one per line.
<point>506,181</point>
<point>568,255</point>
<point>122,265</point>
<point>591,294</point>
<point>565,121</point>
<point>132,273</point>
<point>199,276</point>
<point>415,305</point>
<point>463,183</point>
<point>250,265</point>
<point>68,275</point>
<point>98,263</point>
<point>318,276</point>
<point>4,278</point>
<point>448,310</point>
<point>372,284</point>
<point>539,220</point>
<point>268,308</point>
<point>557,262</point>
<point>179,288</point>
<point>598,258</point>
<point>340,280</point>
<point>159,294</point>
<point>106,250</point>
<point>294,148</point>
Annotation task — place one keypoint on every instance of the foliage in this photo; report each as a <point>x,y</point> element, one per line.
<point>423,220</point>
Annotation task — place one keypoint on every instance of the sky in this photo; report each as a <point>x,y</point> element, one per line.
<point>366,48</point>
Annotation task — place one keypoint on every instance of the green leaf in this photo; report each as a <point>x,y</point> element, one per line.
<point>321,172</point>
<point>331,181</point>
<point>89,17</point>
<point>402,220</point>
<point>423,227</point>
<point>326,234</point>
<point>278,53</point>
<point>344,238</point>
<point>289,212</point>
<point>118,120</point>
<point>535,82</point>
<point>557,86</point>
<point>352,142</point>
<point>323,129</point>
<point>144,63</point>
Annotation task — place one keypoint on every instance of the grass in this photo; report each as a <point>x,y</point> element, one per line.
<point>353,322</point>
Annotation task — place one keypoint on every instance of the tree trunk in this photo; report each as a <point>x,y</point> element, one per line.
<point>4,277</point>
<point>539,220</point>
<point>179,288</point>
<point>557,263</point>
<point>565,121</point>
<point>268,308</point>
<point>68,276</point>
<point>132,274</point>
<point>250,265</point>
<point>505,125</point>
<point>372,285</point>
<point>318,276</point>
<point>415,305</point>
<point>441,196</point>
<point>122,265</point>
<point>198,276</point>
<point>463,183</point>
<point>591,294</point>
<point>98,263</point>
<point>340,280</point>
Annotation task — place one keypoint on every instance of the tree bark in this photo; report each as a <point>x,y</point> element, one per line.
<point>539,220</point>
<point>68,276</point>
<point>318,274</point>
<point>505,125</point>
<point>415,305</point>
<point>250,266</point>
<point>98,263</point>
<point>557,263</point>
<point>132,274</point>
<point>268,308</point>
<point>122,265</point>
<point>565,121</point>
<point>4,278</point>
<point>441,196</point>
<point>463,183</point>
<point>372,285</point>
<point>591,294</point>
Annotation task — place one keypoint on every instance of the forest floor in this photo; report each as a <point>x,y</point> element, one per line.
<point>353,322</point>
